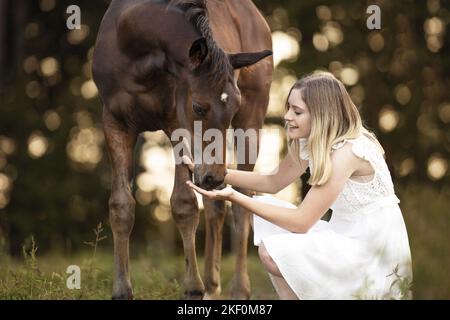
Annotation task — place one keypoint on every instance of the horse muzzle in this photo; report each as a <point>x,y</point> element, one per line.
<point>208,179</point>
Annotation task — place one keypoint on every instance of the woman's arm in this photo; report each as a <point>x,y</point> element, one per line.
<point>287,171</point>
<point>313,207</point>
<point>317,201</point>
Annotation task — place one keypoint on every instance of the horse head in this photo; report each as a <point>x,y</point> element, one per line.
<point>213,98</point>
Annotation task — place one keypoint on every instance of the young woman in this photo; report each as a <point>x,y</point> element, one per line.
<point>363,251</point>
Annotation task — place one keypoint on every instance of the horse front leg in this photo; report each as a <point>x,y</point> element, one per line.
<point>240,289</point>
<point>186,216</point>
<point>250,117</point>
<point>241,283</point>
<point>120,144</point>
<point>215,213</point>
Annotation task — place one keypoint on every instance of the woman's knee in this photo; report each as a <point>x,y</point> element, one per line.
<point>263,254</point>
<point>268,261</point>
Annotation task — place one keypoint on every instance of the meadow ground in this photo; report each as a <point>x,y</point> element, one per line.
<point>153,277</point>
<point>157,274</point>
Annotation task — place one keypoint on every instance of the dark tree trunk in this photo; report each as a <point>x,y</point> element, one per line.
<point>3,38</point>
<point>13,17</point>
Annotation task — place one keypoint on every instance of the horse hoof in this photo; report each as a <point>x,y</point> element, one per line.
<point>212,296</point>
<point>193,295</point>
<point>122,297</point>
<point>241,296</point>
<point>240,289</point>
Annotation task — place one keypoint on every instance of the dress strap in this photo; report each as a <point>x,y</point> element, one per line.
<point>363,148</point>
<point>304,154</point>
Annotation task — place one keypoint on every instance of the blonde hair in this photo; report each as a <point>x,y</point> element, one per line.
<point>334,118</point>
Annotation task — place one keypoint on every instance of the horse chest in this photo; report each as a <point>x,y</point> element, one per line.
<point>153,109</point>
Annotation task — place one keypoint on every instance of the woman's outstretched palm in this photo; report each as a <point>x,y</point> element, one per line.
<point>223,194</point>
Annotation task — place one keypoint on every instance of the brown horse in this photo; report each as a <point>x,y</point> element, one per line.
<point>161,65</point>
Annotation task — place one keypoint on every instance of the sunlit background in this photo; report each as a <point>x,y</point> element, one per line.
<point>54,169</point>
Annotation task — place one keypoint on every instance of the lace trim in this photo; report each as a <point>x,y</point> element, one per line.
<point>359,150</point>
<point>304,154</point>
<point>361,147</point>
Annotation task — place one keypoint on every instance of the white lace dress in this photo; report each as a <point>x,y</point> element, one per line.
<point>361,253</point>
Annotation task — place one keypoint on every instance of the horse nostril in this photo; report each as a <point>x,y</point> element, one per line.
<point>208,180</point>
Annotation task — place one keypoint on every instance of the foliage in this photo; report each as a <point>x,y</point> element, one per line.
<point>154,276</point>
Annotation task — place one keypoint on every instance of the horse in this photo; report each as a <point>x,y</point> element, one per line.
<point>162,65</point>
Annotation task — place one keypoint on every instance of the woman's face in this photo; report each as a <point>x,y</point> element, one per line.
<point>298,118</point>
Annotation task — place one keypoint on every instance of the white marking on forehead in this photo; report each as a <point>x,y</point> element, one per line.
<point>224,97</point>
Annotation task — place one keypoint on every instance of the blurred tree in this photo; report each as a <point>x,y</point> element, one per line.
<point>12,20</point>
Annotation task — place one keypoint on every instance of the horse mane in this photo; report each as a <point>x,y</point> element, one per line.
<point>197,13</point>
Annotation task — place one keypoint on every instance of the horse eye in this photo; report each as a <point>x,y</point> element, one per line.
<point>199,110</point>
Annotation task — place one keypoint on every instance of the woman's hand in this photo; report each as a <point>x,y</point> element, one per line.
<point>224,194</point>
<point>187,161</point>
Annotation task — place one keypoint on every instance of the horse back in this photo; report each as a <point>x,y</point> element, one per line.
<point>243,29</point>
<point>238,26</point>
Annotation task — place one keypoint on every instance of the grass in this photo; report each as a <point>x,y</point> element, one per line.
<point>426,213</point>
<point>157,275</point>
<point>153,276</point>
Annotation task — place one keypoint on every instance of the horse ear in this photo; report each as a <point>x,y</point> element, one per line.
<point>240,60</point>
<point>198,52</point>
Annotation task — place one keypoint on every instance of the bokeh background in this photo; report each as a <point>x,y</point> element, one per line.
<point>55,173</point>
